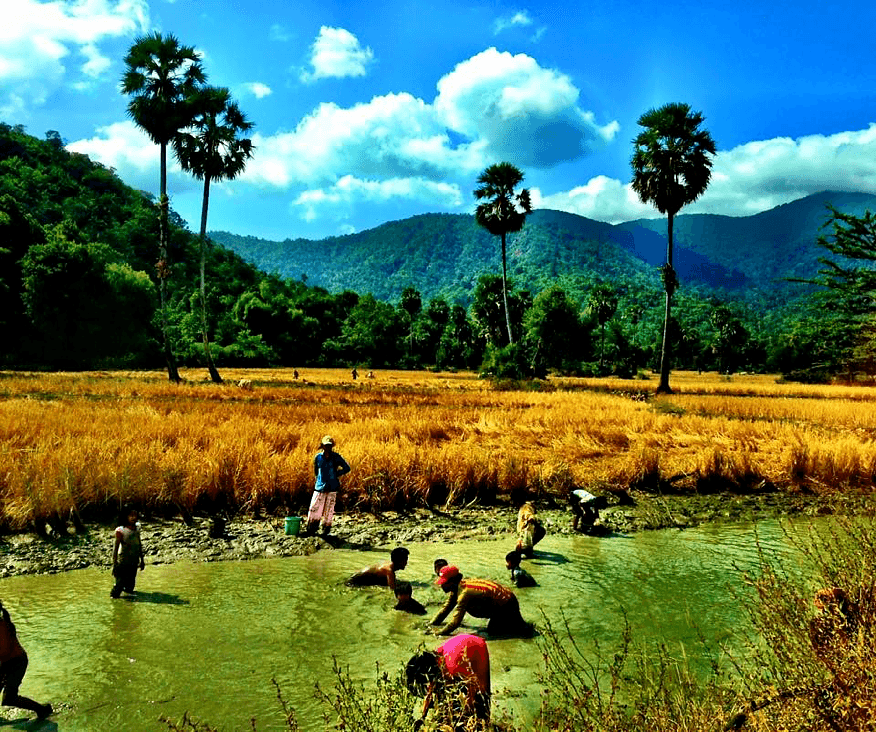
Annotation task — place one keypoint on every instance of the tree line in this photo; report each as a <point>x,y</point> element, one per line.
<point>80,287</point>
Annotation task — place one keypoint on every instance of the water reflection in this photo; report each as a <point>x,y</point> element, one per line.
<point>208,638</point>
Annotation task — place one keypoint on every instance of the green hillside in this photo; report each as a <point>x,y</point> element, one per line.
<point>444,254</point>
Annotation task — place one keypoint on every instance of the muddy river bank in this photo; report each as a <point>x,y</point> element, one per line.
<point>170,540</point>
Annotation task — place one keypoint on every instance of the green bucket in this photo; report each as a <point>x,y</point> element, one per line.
<point>293,525</point>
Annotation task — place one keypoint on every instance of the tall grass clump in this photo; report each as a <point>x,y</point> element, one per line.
<point>91,442</point>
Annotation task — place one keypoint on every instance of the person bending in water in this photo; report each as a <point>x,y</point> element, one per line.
<point>13,666</point>
<point>382,575</point>
<point>438,564</point>
<point>405,602</point>
<point>519,576</point>
<point>482,599</point>
<point>529,529</point>
<point>463,659</point>
<point>127,554</point>
<point>585,509</point>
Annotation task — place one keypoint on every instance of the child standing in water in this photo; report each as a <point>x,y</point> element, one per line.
<point>127,554</point>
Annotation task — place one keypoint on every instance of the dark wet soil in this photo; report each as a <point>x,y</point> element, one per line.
<point>171,540</point>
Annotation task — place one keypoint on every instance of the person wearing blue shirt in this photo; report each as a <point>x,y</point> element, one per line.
<point>328,467</point>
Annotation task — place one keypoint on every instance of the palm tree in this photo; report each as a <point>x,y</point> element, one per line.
<point>160,77</point>
<point>502,212</point>
<point>671,168</point>
<point>602,304</point>
<point>212,149</point>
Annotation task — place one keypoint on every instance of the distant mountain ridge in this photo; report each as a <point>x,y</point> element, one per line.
<point>445,254</point>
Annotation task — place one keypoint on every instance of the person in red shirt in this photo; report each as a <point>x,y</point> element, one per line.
<point>462,660</point>
<point>13,666</point>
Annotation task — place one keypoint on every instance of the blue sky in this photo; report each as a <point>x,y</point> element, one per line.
<point>367,112</point>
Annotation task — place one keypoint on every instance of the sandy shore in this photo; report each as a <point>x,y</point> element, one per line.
<point>170,540</point>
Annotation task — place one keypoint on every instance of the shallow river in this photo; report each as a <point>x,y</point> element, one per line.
<point>208,638</point>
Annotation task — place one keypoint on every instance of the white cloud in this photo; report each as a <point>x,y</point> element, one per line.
<point>336,53</point>
<point>41,41</point>
<point>349,191</point>
<point>520,111</point>
<point>519,19</point>
<point>257,89</point>
<point>392,136</point>
<point>745,180</point>
<point>126,148</point>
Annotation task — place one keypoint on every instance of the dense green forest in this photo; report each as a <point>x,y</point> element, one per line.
<point>78,285</point>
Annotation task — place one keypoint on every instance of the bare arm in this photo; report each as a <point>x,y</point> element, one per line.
<point>116,549</point>
<point>456,620</point>
<point>445,611</point>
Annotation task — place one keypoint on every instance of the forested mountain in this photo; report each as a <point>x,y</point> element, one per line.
<point>79,267</point>
<point>443,254</point>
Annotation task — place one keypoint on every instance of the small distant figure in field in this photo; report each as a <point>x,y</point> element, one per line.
<point>295,374</point>
<point>529,530</point>
<point>404,600</point>
<point>381,575</point>
<point>127,553</point>
<point>328,467</point>
<point>585,509</point>
<point>519,576</point>
<point>13,666</point>
<point>438,564</point>
<point>354,373</point>
<point>370,375</point>
<point>245,384</point>
<point>481,599</point>
<point>462,659</point>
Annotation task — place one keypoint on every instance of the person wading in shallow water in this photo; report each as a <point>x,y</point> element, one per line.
<point>328,467</point>
<point>13,666</point>
<point>382,575</point>
<point>127,554</point>
<point>482,599</point>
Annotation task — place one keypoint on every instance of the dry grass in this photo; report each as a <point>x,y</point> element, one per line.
<point>95,440</point>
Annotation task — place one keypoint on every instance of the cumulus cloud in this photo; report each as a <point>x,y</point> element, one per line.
<point>257,89</point>
<point>336,53</point>
<point>493,107</point>
<point>392,136</point>
<point>747,179</point>
<point>519,19</point>
<point>349,190</point>
<point>125,147</point>
<point>44,43</point>
<point>520,111</point>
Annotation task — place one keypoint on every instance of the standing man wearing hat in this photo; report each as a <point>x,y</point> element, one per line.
<point>328,467</point>
<point>482,599</point>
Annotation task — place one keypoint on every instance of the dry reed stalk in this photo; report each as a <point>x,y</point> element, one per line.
<point>102,439</point>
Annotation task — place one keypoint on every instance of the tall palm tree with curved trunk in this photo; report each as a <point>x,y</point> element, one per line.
<point>212,149</point>
<point>502,212</point>
<point>160,77</point>
<point>671,168</point>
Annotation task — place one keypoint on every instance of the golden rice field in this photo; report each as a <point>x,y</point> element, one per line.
<point>95,440</point>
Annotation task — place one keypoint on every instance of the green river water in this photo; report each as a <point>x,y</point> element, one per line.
<point>208,638</point>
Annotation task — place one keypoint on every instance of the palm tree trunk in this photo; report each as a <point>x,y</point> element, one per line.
<point>665,352</point>
<point>505,292</point>
<point>164,269</point>
<point>214,374</point>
